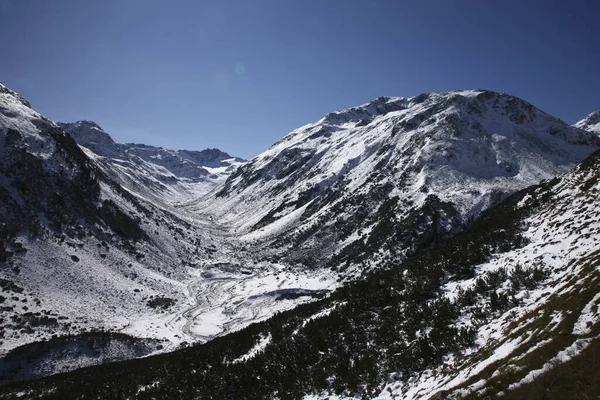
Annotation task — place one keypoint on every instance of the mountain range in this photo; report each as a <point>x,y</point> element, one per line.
<point>392,176</point>
<point>411,225</point>
<point>165,175</point>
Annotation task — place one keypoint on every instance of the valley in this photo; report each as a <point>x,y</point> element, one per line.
<point>312,200</point>
<point>517,299</point>
<point>413,226</point>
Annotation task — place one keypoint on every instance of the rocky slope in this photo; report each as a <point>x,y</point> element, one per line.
<point>391,177</point>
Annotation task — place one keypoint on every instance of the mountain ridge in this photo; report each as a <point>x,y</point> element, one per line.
<point>590,123</point>
<point>456,152</point>
<point>174,175</point>
<point>89,134</point>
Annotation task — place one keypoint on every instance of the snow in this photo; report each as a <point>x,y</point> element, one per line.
<point>276,227</point>
<point>467,93</point>
<point>468,158</point>
<point>429,383</point>
<point>229,301</point>
<point>15,114</point>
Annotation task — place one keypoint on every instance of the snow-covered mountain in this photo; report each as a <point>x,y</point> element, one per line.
<point>392,176</point>
<point>509,308</point>
<point>78,251</point>
<point>104,239</point>
<point>162,175</point>
<point>590,123</point>
<point>89,134</point>
<point>97,262</point>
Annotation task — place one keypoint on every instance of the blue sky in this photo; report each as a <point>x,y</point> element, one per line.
<point>238,75</point>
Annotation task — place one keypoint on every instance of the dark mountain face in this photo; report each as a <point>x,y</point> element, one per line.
<point>92,136</point>
<point>47,182</point>
<point>46,177</point>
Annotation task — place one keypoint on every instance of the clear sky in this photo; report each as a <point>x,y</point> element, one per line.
<point>238,75</point>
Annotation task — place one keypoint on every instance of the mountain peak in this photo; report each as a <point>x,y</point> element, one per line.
<point>176,174</point>
<point>590,123</point>
<point>21,99</point>
<point>208,157</point>
<point>89,134</point>
<point>84,123</point>
<point>455,152</point>
<point>471,100</point>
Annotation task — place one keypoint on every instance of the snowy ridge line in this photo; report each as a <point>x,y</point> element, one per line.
<point>160,175</point>
<point>588,317</point>
<point>590,123</point>
<point>260,346</point>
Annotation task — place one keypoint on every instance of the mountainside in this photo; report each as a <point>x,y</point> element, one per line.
<point>501,310</point>
<point>162,175</point>
<point>78,251</point>
<point>391,177</point>
<point>590,123</point>
<point>97,262</point>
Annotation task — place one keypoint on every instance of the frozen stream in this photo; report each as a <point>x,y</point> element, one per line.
<point>227,301</point>
<point>230,292</point>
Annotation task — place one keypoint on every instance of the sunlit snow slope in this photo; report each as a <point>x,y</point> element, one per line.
<point>590,123</point>
<point>485,314</point>
<point>552,321</point>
